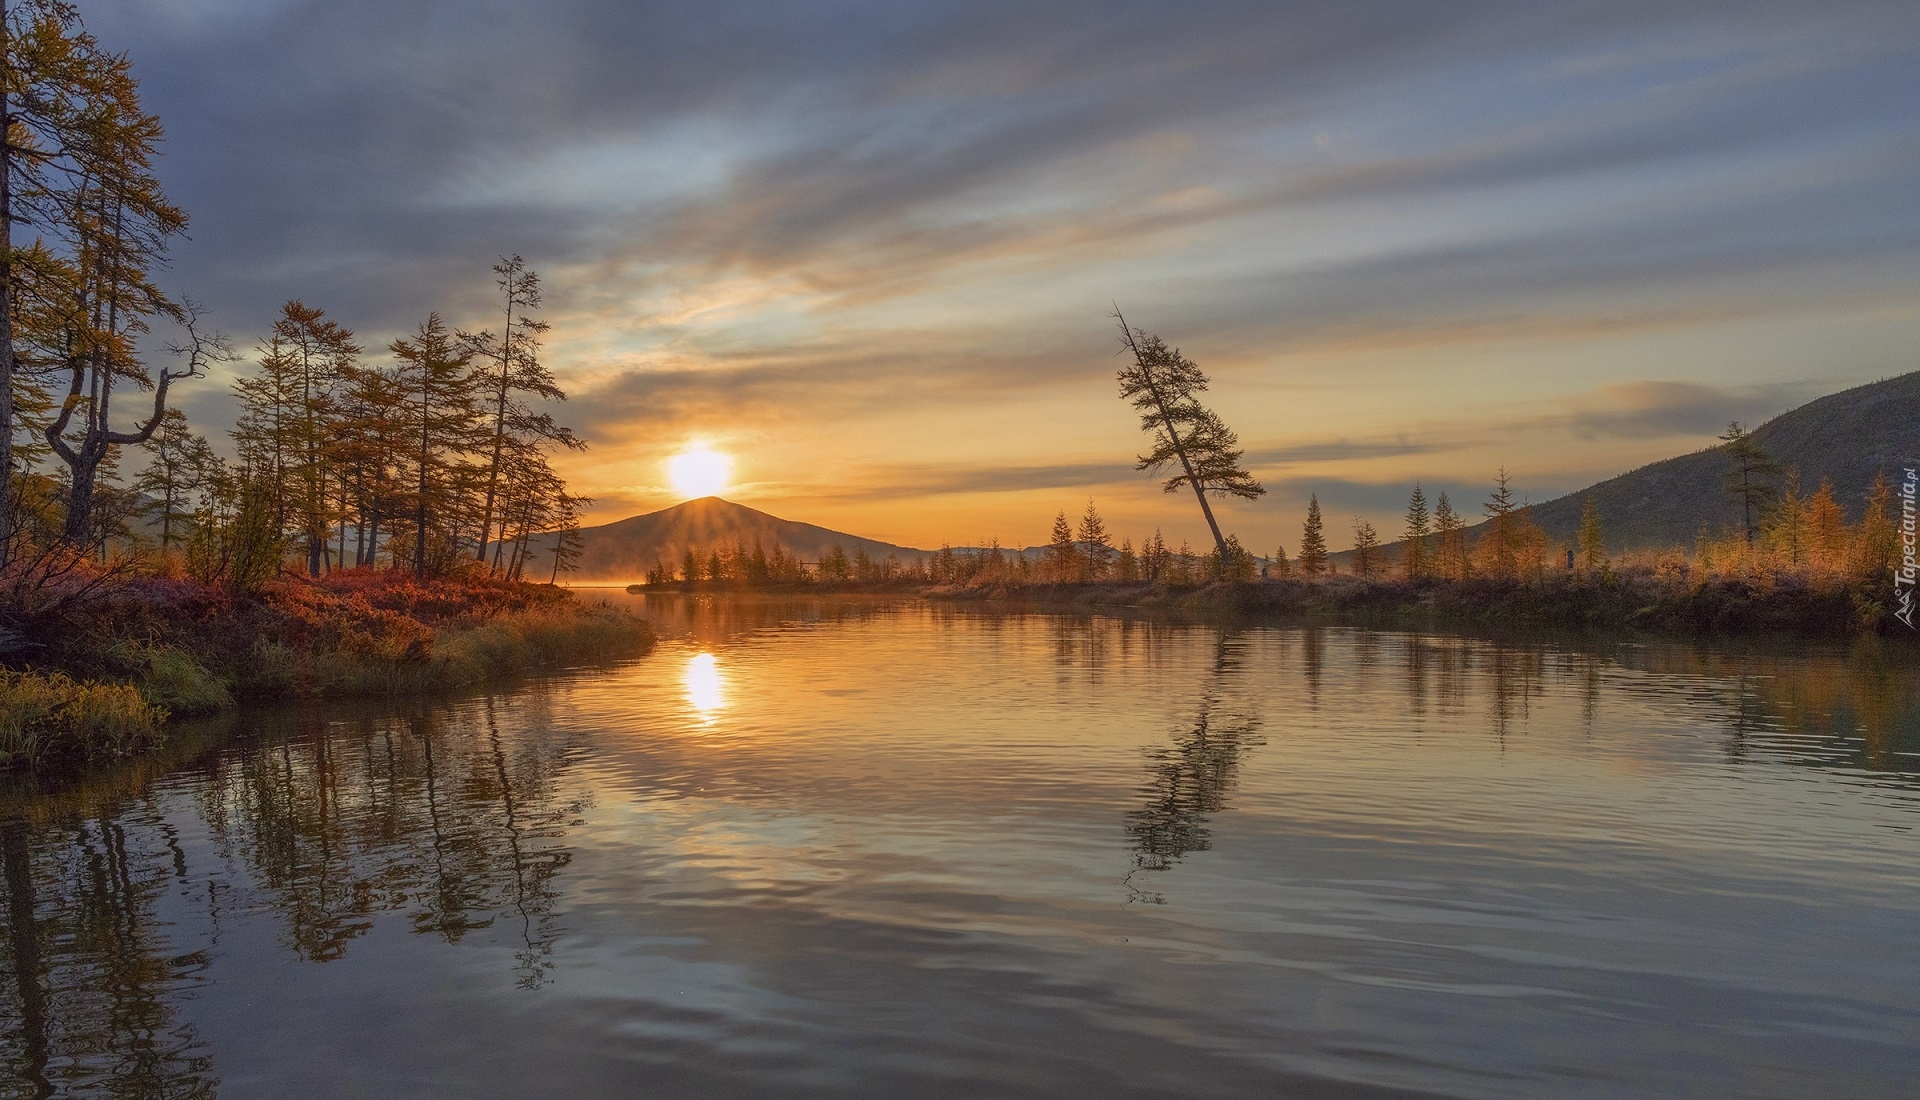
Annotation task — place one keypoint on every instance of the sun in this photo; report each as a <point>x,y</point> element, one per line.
<point>699,471</point>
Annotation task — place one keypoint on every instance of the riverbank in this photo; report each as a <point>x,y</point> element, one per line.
<point>104,678</point>
<point>1647,603</point>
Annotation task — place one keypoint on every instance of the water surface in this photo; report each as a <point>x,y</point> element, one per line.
<point>872,848</point>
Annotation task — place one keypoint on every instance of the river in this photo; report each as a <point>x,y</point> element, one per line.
<point>867,847</point>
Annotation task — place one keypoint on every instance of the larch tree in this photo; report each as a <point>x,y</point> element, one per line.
<point>1450,532</point>
<point>1313,540</point>
<point>179,464</point>
<point>1063,558</point>
<point>1751,480</point>
<point>117,223</point>
<point>510,377</point>
<point>1591,541</point>
<point>1413,561</point>
<point>321,357</point>
<point>439,410</point>
<point>1164,387</point>
<point>1095,545</point>
<point>1366,547</point>
<point>49,85</point>
<point>1496,549</point>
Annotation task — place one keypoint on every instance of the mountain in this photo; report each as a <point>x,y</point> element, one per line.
<point>624,550</point>
<point>1845,438</point>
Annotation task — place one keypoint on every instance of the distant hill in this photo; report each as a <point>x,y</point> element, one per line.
<point>624,550</point>
<point>1845,438</point>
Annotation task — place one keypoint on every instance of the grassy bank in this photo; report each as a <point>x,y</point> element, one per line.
<point>1646,602</point>
<point>103,679</point>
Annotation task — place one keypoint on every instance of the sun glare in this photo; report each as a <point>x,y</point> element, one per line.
<point>699,472</point>
<point>704,684</point>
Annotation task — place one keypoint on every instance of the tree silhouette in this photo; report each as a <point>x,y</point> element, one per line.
<point>1163,386</point>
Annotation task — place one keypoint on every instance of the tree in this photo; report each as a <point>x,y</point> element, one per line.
<point>1450,532</point>
<point>1366,547</point>
<point>1496,549</point>
<point>1063,558</point>
<point>1280,568</point>
<point>1826,529</point>
<point>321,358</point>
<point>179,463</point>
<point>1592,544</point>
<point>1095,546</point>
<point>1413,562</point>
<point>1747,482</point>
<point>514,375</point>
<point>116,222</point>
<point>1313,540</point>
<point>52,80</point>
<point>1876,544</point>
<point>439,411</point>
<point>1163,386</point>
<point>1786,528</point>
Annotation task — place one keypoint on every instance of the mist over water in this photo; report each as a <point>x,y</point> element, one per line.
<point>862,847</point>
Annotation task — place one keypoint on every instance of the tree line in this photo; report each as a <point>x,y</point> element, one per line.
<point>437,455</point>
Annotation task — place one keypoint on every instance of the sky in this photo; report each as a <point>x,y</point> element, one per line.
<point>872,250</point>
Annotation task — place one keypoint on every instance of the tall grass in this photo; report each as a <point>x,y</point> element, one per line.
<point>48,718</point>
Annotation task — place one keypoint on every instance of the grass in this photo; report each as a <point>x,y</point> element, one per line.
<point>103,681</point>
<point>51,718</point>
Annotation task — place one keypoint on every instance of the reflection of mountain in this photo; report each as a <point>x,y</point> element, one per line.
<point>625,550</point>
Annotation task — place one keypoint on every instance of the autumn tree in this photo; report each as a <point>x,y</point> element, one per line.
<point>1413,560</point>
<point>1496,547</point>
<point>1164,386</point>
<point>1313,540</point>
<point>1750,480</point>
<point>115,226</point>
<point>1063,558</point>
<point>180,464</point>
<point>321,358</point>
<point>1280,567</point>
<point>1876,541</point>
<point>510,377</point>
<point>1366,547</point>
<point>440,414</point>
<point>1827,535</point>
<point>1591,541</point>
<point>1095,545</point>
<point>52,84</point>
<point>1449,531</point>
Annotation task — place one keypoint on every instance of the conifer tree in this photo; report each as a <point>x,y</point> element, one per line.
<point>1094,545</point>
<point>1413,561</point>
<point>1592,543</point>
<point>319,359</point>
<point>1876,542</point>
<point>1366,547</point>
<point>440,414</point>
<point>1749,482</point>
<point>180,464</point>
<point>117,222</point>
<point>1313,540</point>
<point>1826,529</point>
<point>1786,529</point>
<point>1280,566</point>
<point>1164,386</point>
<point>1450,532</point>
<point>1496,549</point>
<point>1127,564</point>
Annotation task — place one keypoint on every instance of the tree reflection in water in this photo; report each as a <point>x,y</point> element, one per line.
<point>1189,780</point>
<point>432,814</point>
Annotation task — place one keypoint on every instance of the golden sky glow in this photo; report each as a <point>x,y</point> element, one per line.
<point>872,260</point>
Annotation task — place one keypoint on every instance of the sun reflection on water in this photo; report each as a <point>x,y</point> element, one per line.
<point>704,684</point>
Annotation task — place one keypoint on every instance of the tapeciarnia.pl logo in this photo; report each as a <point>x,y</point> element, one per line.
<point>1905,574</point>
